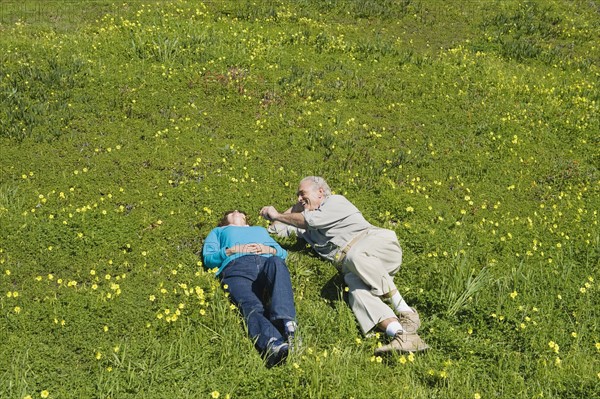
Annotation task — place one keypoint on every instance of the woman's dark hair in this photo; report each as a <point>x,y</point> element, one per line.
<point>225,222</point>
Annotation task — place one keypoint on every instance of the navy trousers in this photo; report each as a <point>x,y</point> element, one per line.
<point>261,288</point>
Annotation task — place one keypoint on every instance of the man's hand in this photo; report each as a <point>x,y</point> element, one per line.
<point>293,218</point>
<point>269,213</point>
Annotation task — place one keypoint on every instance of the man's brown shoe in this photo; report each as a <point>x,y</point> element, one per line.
<point>403,342</point>
<point>410,321</point>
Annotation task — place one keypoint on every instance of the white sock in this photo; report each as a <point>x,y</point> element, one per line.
<point>393,328</point>
<point>290,327</point>
<point>399,304</point>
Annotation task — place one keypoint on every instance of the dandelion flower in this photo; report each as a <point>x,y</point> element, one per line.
<point>44,394</point>
<point>215,394</point>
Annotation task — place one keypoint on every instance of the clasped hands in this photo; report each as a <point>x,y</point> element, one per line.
<point>253,248</point>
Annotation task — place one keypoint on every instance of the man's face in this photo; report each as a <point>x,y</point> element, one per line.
<point>309,197</point>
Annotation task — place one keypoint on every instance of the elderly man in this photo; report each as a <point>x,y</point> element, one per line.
<point>367,256</point>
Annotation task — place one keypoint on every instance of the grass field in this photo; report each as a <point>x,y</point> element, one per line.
<point>471,128</point>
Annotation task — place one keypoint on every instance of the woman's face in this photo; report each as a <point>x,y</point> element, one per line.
<point>237,218</point>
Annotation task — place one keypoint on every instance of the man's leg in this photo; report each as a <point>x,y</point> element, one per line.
<point>376,259</point>
<point>369,269</point>
<point>369,309</point>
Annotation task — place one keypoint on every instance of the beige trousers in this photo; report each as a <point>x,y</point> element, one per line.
<point>369,269</point>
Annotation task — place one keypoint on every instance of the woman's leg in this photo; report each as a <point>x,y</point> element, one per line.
<point>240,277</point>
<point>278,285</point>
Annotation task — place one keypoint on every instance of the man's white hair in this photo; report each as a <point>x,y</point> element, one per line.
<point>318,182</point>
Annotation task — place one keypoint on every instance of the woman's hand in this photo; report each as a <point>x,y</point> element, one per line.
<point>253,248</point>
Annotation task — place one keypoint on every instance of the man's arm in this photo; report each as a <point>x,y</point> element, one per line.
<point>292,218</point>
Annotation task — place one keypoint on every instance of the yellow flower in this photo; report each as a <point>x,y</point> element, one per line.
<point>477,396</point>
<point>557,361</point>
<point>44,394</point>
<point>513,294</point>
<point>215,394</point>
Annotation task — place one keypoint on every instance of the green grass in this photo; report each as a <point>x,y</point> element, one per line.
<point>469,128</point>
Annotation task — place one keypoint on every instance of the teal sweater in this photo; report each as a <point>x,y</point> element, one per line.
<point>221,238</point>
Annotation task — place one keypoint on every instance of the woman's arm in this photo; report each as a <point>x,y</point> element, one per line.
<point>212,252</point>
<point>274,247</point>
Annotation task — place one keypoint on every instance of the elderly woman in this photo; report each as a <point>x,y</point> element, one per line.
<point>251,267</point>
